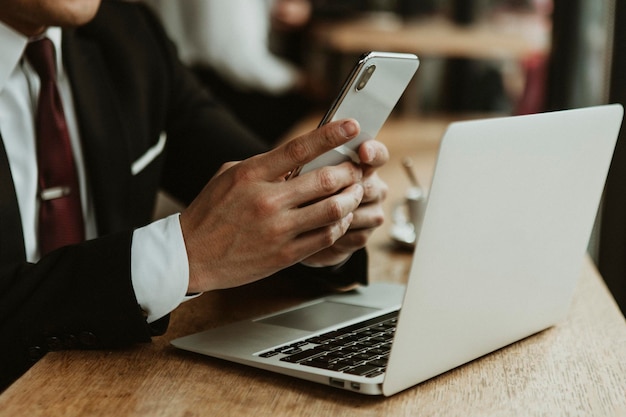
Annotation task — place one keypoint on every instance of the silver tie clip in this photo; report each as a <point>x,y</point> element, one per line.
<point>54,192</point>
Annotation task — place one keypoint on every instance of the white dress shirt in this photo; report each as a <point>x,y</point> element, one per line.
<point>159,267</point>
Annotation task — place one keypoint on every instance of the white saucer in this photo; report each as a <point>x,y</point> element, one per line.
<point>402,232</point>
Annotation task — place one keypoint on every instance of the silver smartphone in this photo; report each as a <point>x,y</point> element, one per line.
<point>369,95</point>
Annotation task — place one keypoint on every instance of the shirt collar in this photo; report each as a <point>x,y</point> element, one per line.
<point>13,46</point>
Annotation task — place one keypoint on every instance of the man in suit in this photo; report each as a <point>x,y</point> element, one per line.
<point>138,122</point>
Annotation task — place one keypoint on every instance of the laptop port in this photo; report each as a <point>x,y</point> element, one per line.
<point>336,382</point>
<point>355,386</point>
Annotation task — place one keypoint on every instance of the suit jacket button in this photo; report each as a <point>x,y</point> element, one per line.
<point>54,343</point>
<point>71,342</point>
<point>88,339</point>
<point>35,353</point>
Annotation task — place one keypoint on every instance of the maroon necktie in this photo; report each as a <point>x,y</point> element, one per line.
<point>60,214</point>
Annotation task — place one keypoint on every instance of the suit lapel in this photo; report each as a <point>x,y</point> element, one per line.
<point>102,134</point>
<point>12,237</point>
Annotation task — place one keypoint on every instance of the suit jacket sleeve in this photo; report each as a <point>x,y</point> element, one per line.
<point>77,297</point>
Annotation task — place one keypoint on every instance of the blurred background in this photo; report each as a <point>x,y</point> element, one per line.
<point>278,63</point>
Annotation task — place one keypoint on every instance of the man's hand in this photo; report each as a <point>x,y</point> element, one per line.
<point>367,217</point>
<point>249,222</point>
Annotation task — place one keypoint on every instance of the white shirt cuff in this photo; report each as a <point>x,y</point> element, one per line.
<point>159,267</point>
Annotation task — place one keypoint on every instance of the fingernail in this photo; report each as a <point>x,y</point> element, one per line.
<point>349,128</point>
<point>369,153</point>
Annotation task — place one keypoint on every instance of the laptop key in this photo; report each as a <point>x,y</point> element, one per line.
<point>364,344</point>
<point>291,350</point>
<point>378,351</point>
<point>332,366</point>
<point>362,370</point>
<point>347,339</point>
<point>303,355</point>
<point>368,332</point>
<point>379,339</point>
<point>379,363</point>
<point>330,346</point>
<point>364,356</point>
<point>351,349</point>
<point>352,361</point>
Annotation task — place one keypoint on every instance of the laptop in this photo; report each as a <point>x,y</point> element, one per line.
<point>511,208</point>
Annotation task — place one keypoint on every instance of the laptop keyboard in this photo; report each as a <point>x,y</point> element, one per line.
<point>358,349</point>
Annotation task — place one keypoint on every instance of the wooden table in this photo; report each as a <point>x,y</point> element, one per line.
<point>512,37</point>
<point>577,368</point>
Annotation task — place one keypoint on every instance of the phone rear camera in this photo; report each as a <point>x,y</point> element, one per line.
<point>365,77</point>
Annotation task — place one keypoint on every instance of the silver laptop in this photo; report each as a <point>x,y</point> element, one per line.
<point>511,208</point>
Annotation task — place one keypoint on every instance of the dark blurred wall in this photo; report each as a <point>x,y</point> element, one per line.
<point>612,250</point>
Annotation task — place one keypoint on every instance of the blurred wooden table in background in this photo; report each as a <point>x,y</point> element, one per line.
<point>435,36</point>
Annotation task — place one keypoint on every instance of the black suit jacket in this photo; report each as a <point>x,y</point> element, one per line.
<point>128,88</point>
